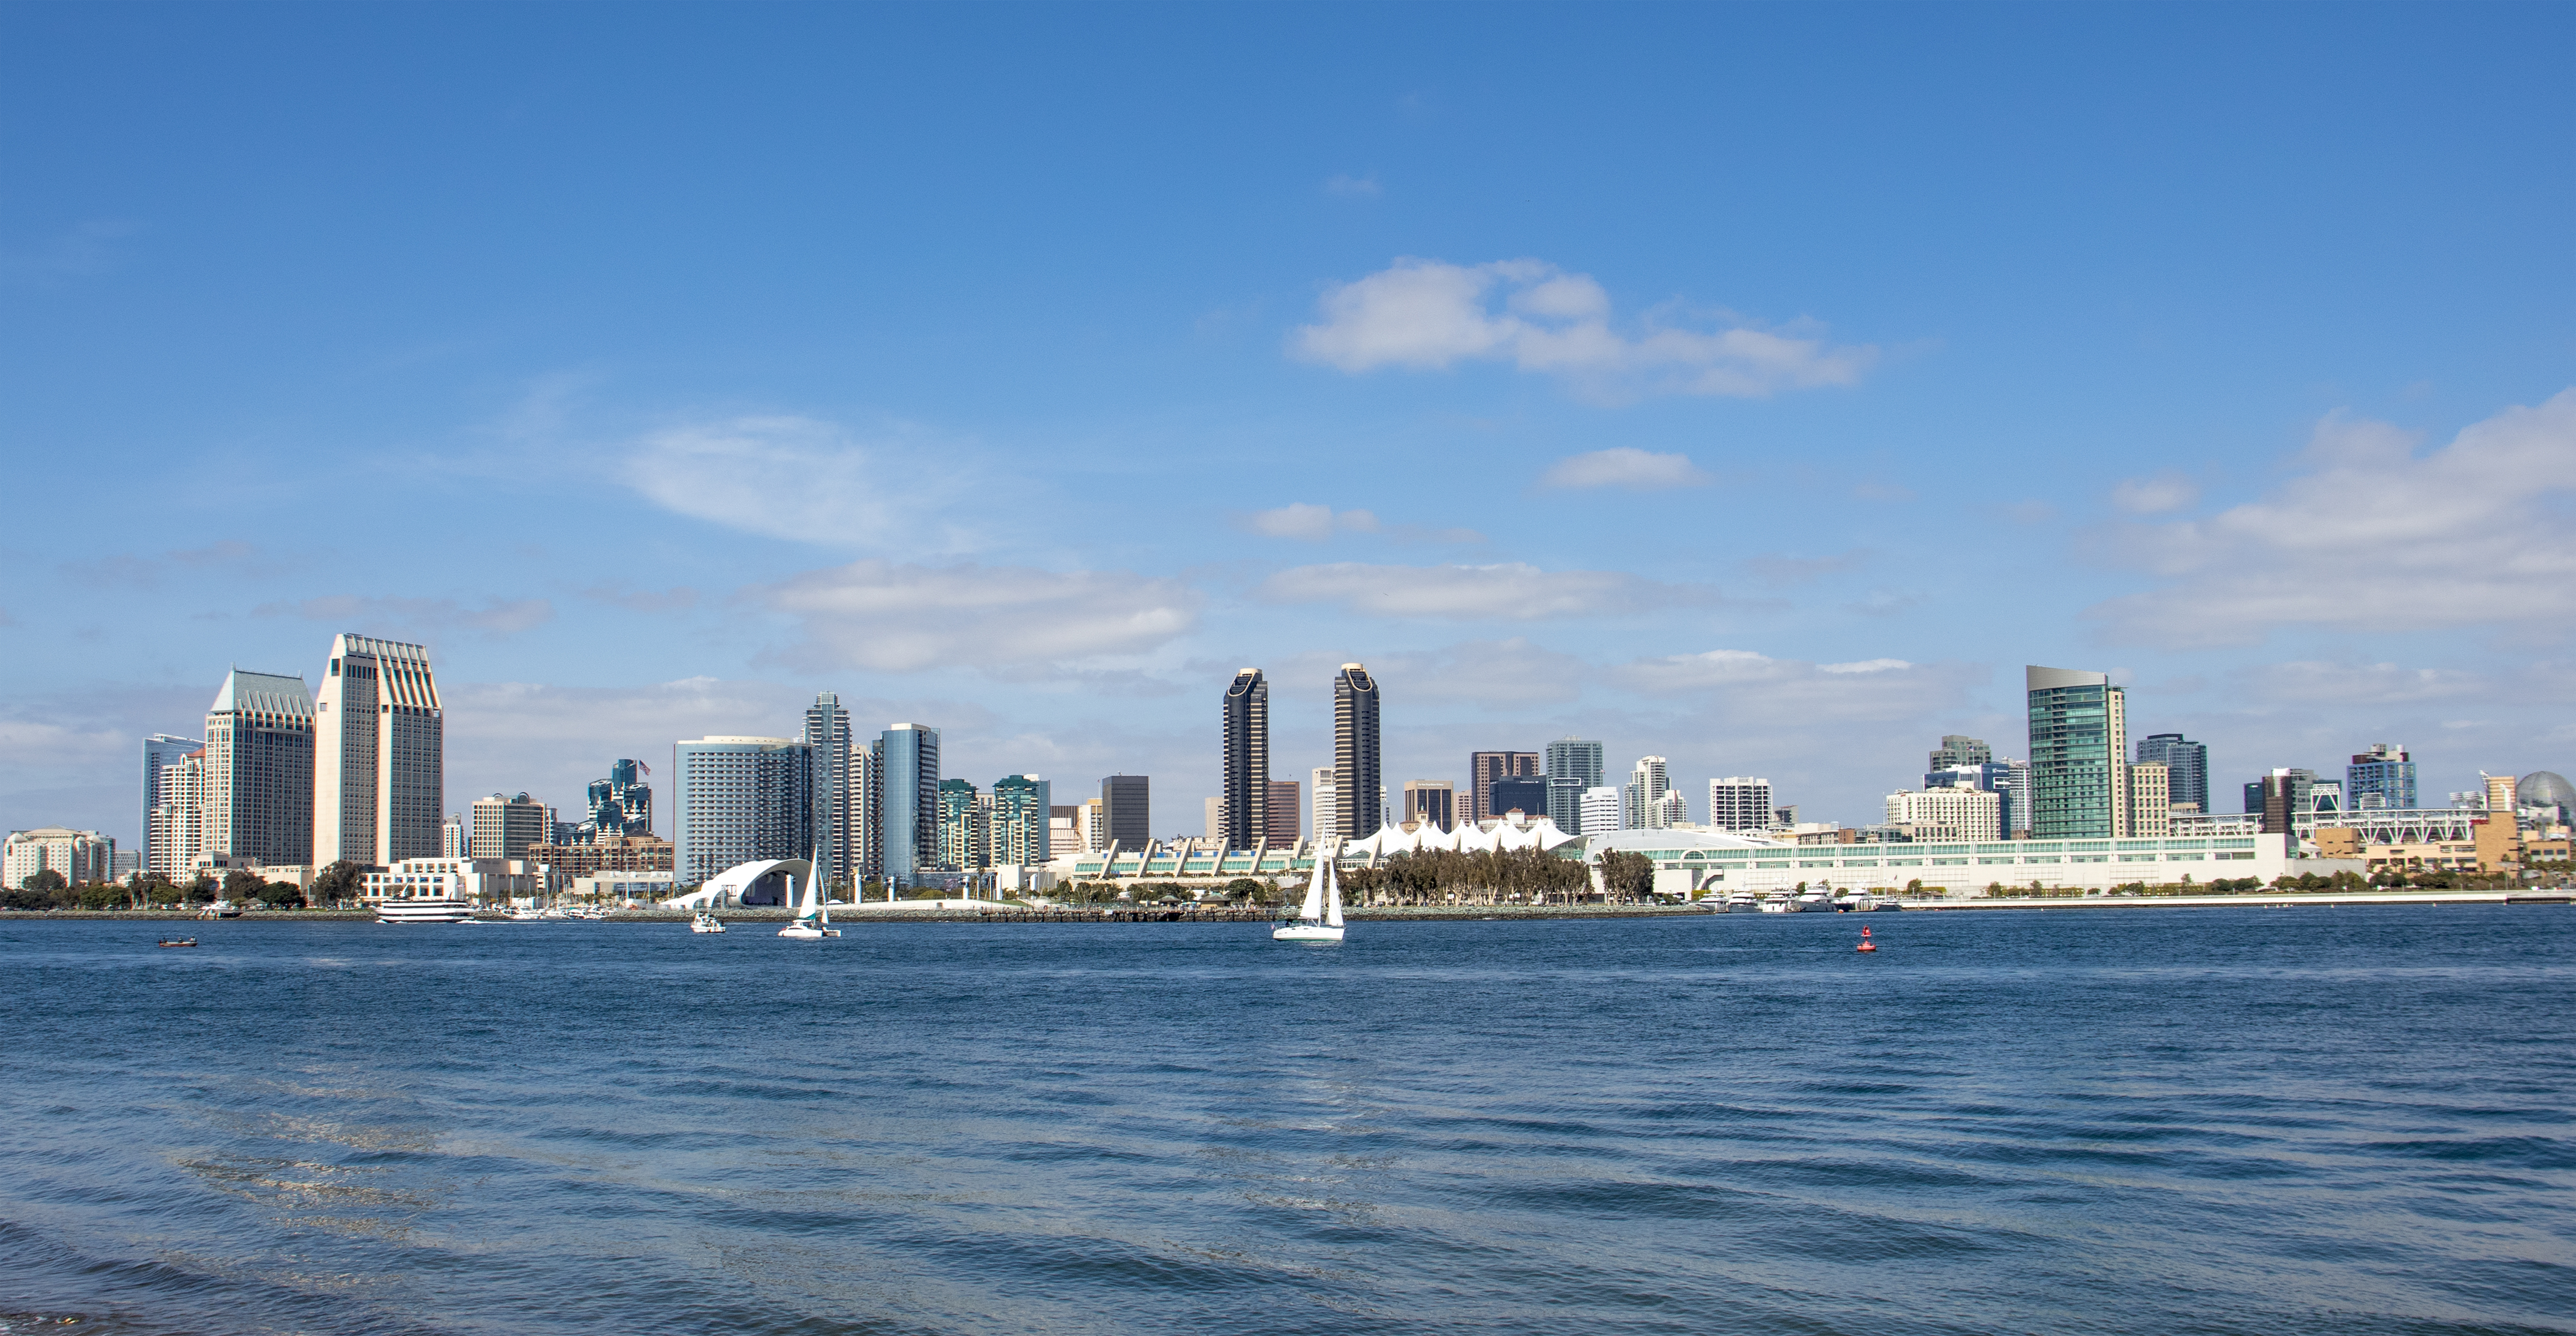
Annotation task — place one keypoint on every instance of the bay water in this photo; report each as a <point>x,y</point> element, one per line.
<point>2321,1120</point>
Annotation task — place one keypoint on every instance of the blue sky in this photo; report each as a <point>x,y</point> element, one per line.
<point>1760,387</point>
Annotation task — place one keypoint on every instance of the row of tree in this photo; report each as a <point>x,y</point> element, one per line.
<point>1443,876</point>
<point>48,889</point>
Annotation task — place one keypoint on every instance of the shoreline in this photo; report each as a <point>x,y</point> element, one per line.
<point>1382,914</point>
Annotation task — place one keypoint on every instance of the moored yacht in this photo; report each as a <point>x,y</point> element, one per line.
<point>706,922</point>
<point>1781,902</point>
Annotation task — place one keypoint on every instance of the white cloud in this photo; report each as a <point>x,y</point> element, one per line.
<point>1864,666</point>
<point>796,478</point>
<point>2311,684</point>
<point>878,614</point>
<point>1783,694</point>
<point>2155,496</point>
<point>1428,315</point>
<point>1513,591</point>
<point>1311,522</point>
<point>1625,466</point>
<point>2373,536</point>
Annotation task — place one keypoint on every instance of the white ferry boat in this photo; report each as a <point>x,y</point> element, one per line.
<point>425,911</point>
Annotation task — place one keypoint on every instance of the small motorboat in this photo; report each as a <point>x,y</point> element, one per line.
<point>706,922</point>
<point>184,941</point>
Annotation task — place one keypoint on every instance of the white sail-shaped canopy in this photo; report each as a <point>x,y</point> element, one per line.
<point>1496,836</point>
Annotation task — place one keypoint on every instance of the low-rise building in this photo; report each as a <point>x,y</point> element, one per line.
<point>76,856</point>
<point>609,853</point>
<point>492,881</point>
<point>622,887</point>
<point>1975,813</point>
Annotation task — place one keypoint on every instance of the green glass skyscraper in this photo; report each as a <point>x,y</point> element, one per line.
<point>2079,751</point>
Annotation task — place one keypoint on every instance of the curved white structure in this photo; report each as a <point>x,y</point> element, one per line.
<point>1470,837</point>
<point>754,884</point>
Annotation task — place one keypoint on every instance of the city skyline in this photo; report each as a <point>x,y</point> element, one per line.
<point>902,453</point>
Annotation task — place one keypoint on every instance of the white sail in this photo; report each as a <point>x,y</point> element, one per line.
<point>1333,900</point>
<point>806,898</point>
<point>1314,906</point>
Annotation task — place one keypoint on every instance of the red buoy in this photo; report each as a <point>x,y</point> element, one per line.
<point>1865,943</point>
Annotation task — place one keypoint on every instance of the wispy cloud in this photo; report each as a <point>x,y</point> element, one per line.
<point>1625,466</point>
<point>1427,315</point>
<point>2471,534</point>
<point>904,618</point>
<point>2155,496</point>
<point>1362,187</point>
<point>1786,570</point>
<point>1311,522</point>
<point>802,479</point>
<point>678,598</point>
<point>228,555</point>
<point>496,617</point>
<point>1512,591</point>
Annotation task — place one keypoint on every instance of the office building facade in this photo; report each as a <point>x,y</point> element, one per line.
<point>1602,810</point>
<point>2150,802</point>
<point>1485,768</point>
<point>1127,809</point>
<point>738,800</point>
<point>1326,801</point>
<point>505,827</point>
<point>963,832</point>
<point>2079,755</point>
<point>1967,812</point>
<point>1528,796</point>
<point>379,755</point>
<point>2380,778</point>
<point>1574,765</point>
<point>1958,750</point>
<point>2005,779</point>
<point>259,780</point>
<point>1432,800</point>
<point>620,804</point>
<point>2186,766</point>
<point>907,785</point>
<point>1739,803</point>
<point>1359,786</point>
<point>1243,815</point>
<point>77,856</point>
<point>176,823</point>
<point>1286,814</point>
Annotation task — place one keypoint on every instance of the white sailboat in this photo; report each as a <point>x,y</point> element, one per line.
<point>1320,918</point>
<point>813,917</point>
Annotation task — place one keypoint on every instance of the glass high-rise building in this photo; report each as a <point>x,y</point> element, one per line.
<point>2079,755</point>
<point>1957,750</point>
<point>1359,787</point>
<point>2186,766</point>
<point>739,800</point>
<point>835,788</point>
<point>1573,766</point>
<point>2379,778</point>
<point>159,750</point>
<point>1244,807</point>
<point>621,804</point>
<point>1018,830</point>
<point>1127,810</point>
<point>963,829</point>
<point>907,784</point>
<point>379,755</point>
<point>1485,768</point>
<point>1287,815</point>
<point>259,785</point>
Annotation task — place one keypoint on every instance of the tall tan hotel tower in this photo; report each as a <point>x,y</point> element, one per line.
<point>379,755</point>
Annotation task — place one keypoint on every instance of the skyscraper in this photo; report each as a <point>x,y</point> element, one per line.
<point>963,831</point>
<point>1244,807</point>
<point>1647,785</point>
<point>259,794</point>
<point>1327,801</point>
<point>907,782</point>
<point>2186,766</point>
<point>738,800</point>
<point>1528,796</point>
<point>835,787</point>
<point>2079,750</point>
<point>176,825</point>
<point>1957,750</point>
<point>1485,767</point>
<point>621,804</point>
<point>2379,778</point>
<point>1432,800</point>
<point>1020,828</point>
<point>379,755</point>
<point>1286,815</point>
<point>1739,802</point>
<point>1359,790</point>
<point>160,749</point>
<point>1573,765</point>
<point>1127,809</point>
<point>504,827</point>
